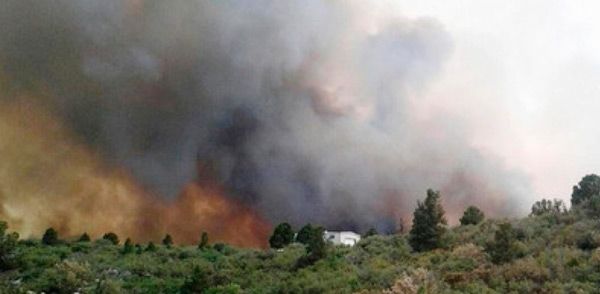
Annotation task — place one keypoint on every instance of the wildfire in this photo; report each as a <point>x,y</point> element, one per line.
<point>49,179</point>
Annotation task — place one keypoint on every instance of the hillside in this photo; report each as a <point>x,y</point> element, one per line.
<point>551,251</point>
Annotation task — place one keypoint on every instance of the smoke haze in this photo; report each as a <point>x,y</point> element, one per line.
<point>332,112</point>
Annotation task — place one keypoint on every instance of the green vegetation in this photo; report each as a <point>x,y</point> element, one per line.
<point>429,223</point>
<point>553,250</point>
<point>472,216</point>
<point>282,236</point>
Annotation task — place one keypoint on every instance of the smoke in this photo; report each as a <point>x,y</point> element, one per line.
<point>304,111</point>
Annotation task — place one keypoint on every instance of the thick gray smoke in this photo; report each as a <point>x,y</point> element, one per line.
<point>302,108</point>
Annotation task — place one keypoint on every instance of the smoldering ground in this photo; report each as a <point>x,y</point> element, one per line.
<point>301,110</point>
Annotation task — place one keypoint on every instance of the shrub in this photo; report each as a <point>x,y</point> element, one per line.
<point>472,216</point>
<point>203,241</point>
<point>84,238</point>
<point>50,237</point>
<point>8,246</point>
<point>167,241</point>
<point>127,247</point>
<point>501,249</point>
<point>112,237</point>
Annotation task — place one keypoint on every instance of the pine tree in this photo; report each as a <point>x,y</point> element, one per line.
<point>429,223</point>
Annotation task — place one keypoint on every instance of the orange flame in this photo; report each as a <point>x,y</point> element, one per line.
<point>48,179</point>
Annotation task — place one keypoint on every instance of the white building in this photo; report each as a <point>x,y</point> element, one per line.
<point>341,238</point>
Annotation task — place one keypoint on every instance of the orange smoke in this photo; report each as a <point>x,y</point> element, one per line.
<point>49,179</point>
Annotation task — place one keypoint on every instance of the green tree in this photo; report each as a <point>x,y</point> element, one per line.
<point>112,237</point>
<point>429,223</point>
<point>167,241</point>
<point>304,234</point>
<point>50,237</point>
<point>502,249</point>
<point>547,206</point>
<point>316,248</point>
<point>198,282</point>
<point>138,249</point>
<point>203,241</point>
<point>151,247</point>
<point>127,247</point>
<point>282,235</point>
<point>8,248</point>
<point>472,216</point>
<point>84,238</point>
<point>588,187</point>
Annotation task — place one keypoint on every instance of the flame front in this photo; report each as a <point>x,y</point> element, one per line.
<point>48,179</point>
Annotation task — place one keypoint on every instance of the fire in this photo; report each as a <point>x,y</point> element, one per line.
<point>49,179</point>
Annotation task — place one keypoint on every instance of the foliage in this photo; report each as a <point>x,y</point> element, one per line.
<point>428,223</point>
<point>282,236</point>
<point>8,248</point>
<point>304,234</point>
<point>588,186</point>
<point>203,240</point>
<point>370,232</point>
<point>547,206</point>
<point>112,237</point>
<point>84,238</point>
<point>167,240</point>
<point>50,237</point>
<point>502,249</point>
<point>128,247</point>
<point>472,216</point>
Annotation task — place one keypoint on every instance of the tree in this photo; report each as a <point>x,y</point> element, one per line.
<point>84,238</point>
<point>316,247</point>
<point>472,216</point>
<point>502,249</point>
<point>8,248</point>
<point>547,206</point>
<point>429,223</point>
<point>588,187</point>
<point>167,241</point>
<point>304,234</point>
<point>370,232</point>
<point>50,237</point>
<point>127,247</point>
<point>112,237</point>
<point>203,241</point>
<point>282,235</point>
<point>151,247</point>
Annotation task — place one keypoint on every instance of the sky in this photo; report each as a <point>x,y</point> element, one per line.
<point>532,70</point>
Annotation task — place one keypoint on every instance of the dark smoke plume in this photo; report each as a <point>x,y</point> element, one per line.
<point>302,109</point>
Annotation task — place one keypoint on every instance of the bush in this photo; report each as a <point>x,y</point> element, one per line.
<point>84,238</point>
<point>50,237</point>
<point>8,248</point>
<point>472,216</point>
<point>203,241</point>
<point>588,186</point>
<point>501,249</point>
<point>112,237</point>
<point>167,241</point>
